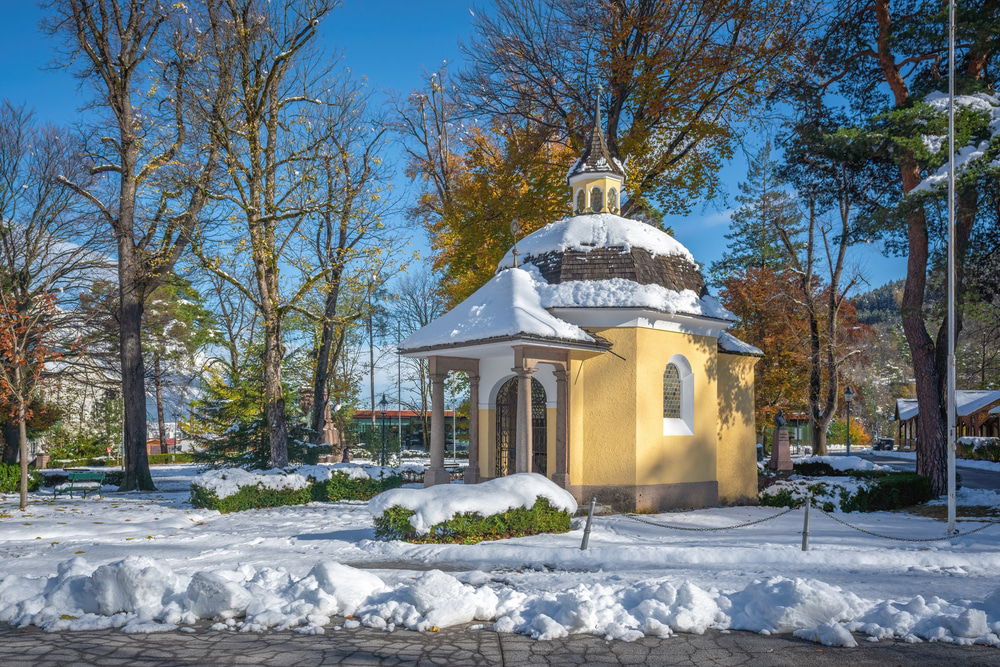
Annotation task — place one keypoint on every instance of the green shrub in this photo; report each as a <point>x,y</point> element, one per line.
<point>815,469</point>
<point>472,527</point>
<point>990,451</point>
<point>890,492</point>
<point>340,486</point>
<point>79,463</point>
<point>160,459</point>
<point>249,498</point>
<point>10,479</point>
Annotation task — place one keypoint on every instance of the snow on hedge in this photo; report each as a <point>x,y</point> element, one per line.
<point>225,482</point>
<point>829,489</point>
<point>842,463</point>
<point>435,504</point>
<point>507,305</point>
<point>139,594</point>
<point>584,233</point>
<point>979,442</point>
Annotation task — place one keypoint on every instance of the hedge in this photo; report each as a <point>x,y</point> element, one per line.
<point>10,479</point>
<point>979,449</point>
<point>111,478</point>
<point>343,487</point>
<point>339,487</point>
<point>249,498</point>
<point>473,527</point>
<point>885,491</point>
<point>161,459</point>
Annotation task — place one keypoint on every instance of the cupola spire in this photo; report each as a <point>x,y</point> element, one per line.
<point>597,176</point>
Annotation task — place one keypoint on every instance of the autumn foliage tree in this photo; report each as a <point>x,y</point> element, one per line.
<point>25,348</point>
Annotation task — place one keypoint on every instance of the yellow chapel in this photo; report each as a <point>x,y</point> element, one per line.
<point>597,357</point>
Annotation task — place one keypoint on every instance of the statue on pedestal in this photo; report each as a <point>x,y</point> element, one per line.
<point>781,458</point>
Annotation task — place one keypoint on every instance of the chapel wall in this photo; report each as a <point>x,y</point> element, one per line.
<point>737,454</point>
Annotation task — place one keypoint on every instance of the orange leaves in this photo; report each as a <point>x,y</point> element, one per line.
<point>25,348</point>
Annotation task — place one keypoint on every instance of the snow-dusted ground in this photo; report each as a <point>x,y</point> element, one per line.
<point>279,567</point>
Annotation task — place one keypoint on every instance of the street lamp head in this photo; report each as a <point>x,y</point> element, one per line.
<point>848,394</point>
<point>383,404</point>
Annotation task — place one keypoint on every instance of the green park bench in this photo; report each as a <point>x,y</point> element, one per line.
<point>83,482</point>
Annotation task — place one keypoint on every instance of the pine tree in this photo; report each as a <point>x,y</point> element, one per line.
<point>753,240</point>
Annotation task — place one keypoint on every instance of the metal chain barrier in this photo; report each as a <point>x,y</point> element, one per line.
<point>693,529</point>
<point>908,539</point>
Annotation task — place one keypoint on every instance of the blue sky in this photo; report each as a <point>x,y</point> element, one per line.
<point>392,43</point>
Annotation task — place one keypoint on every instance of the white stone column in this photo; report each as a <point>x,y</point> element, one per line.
<point>561,474</point>
<point>436,474</point>
<point>472,472</point>
<point>522,441</point>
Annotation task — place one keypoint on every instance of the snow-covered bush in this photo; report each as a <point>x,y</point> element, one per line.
<point>862,491</point>
<point>979,448</point>
<point>235,489</point>
<point>512,506</point>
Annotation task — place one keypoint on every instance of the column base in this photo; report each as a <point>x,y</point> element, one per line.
<point>435,476</point>
<point>562,479</point>
<point>471,475</point>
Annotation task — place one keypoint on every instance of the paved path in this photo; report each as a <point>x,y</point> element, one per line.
<point>456,646</point>
<point>974,478</point>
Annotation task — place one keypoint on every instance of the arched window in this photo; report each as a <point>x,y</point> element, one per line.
<point>613,200</point>
<point>671,392</point>
<point>596,199</point>
<point>581,201</point>
<point>678,397</point>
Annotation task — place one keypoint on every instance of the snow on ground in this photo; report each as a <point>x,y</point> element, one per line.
<point>975,497</point>
<point>842,463</point>
<point>148,562</point>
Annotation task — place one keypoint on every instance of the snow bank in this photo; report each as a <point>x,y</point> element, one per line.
<point>435,504</point>
<point>842,463</point>
<point>972,497</point>
<point>831,489</point>
<point>507,305</point>
<point>225,482</point>
<point>584,233</point>
<point>138,595</point>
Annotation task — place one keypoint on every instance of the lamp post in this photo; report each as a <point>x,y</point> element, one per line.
<point>382,406</point>
<point>848,397</point>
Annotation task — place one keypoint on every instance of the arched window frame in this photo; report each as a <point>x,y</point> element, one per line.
<point>596,199</point>
<point>581,201</point>
<point>613,200</point>
<point>684,424</point>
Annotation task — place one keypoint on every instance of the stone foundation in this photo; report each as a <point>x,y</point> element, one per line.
<point>650,497</point>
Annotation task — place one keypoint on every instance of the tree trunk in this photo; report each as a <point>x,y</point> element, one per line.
<point>317,418</point>
<point>158,389</point>
<point>22,427</point>
<point>273,394</point>
<point>136,474</point>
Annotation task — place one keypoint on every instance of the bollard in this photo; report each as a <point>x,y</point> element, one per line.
<point>586,531</point>
<point>805,525</point>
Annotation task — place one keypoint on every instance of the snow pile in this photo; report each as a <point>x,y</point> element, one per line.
<point>970,153</point>
<point>508,305</point>
<point>584,233</point>
<point>139,595</point>
<point>842,463</point>
<point>979,442</point>
<point>623,293</point>
<point>225,482</point>
<point>972,497</point>
<point>435,504</point>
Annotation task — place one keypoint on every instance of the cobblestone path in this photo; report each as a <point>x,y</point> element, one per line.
<point>456,646</point>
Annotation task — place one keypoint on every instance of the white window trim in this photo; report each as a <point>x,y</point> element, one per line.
<point>684,425</point>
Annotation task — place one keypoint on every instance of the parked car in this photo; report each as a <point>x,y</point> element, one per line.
<point>884,444</point>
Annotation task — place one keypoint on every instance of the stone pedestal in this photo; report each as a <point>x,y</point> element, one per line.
<point>781,458</point>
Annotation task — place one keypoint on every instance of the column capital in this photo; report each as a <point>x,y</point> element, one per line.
<point>523,371</point>
<point>473,377</point>
<point>437,377</point>
<point>561,373</point>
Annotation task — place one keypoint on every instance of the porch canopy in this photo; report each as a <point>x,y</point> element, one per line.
<point>502,322</point>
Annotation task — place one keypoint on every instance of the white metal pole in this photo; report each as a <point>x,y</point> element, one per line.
<point>951,268</point>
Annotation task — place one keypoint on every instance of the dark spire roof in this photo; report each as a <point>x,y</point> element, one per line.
<point>597,158</point>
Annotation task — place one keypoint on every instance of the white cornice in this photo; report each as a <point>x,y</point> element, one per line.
<point>642,318</point>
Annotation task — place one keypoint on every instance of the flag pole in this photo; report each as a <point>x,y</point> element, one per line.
<point>950,400</point>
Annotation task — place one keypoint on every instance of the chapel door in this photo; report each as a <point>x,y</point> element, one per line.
<point>506,413</point>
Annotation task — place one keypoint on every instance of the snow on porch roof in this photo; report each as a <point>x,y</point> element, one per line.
<point>967,401</point>
<point>508,306</point>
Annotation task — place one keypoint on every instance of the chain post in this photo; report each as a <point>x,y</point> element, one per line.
<point>805,525</point>
<point>586,531</point>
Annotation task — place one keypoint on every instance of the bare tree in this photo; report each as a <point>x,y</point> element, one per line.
<point>417,305</point>
<point>259,53</point>
<point>138,57</point>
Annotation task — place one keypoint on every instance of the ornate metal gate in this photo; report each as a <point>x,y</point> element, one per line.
<point>507,428</point>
